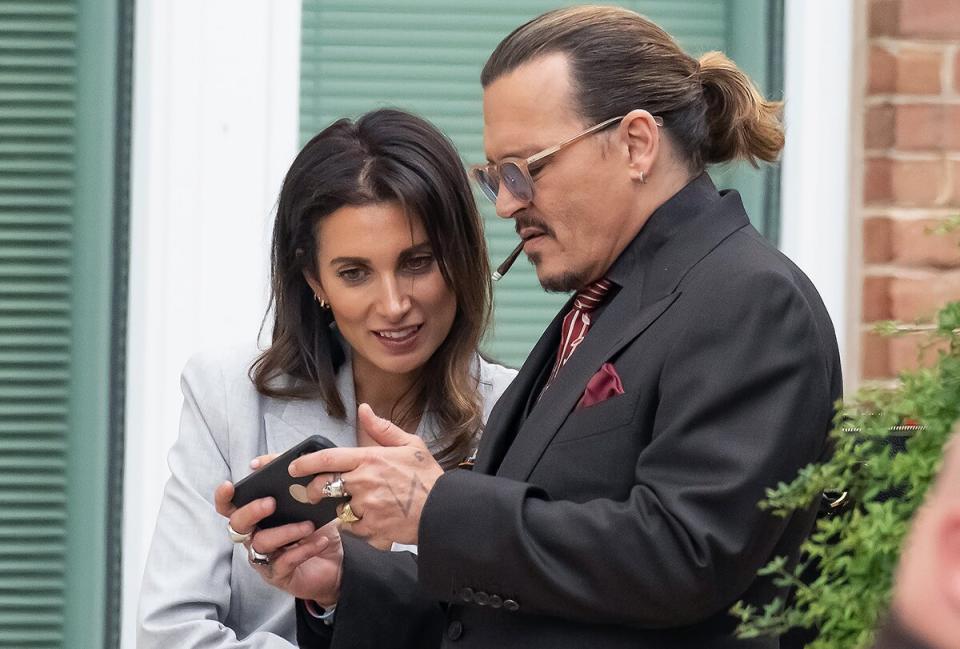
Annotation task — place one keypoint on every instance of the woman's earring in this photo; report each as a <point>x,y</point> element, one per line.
<point>643,180</point>
<point>323,303</point>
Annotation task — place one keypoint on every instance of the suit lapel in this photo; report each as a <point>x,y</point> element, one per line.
<point>508,413</point>
<point>287,422</point>
<point>608,336</point>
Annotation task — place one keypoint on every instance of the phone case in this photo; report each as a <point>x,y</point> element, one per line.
<point>290,493</point>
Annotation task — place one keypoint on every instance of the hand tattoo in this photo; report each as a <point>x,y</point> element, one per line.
<point>405,507</point>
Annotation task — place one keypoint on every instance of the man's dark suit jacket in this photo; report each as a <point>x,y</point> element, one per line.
<point>633,522</point>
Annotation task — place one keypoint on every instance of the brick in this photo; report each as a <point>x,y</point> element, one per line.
<point>956,72</point>
<point>928,127</point>
<point>908,71</point>
<point>879,128</point>
<point>912,243</point>
<point>918,71</point>
<point>955,176</point>
<point>876,299</point>
<point>884,357</point>
<point>884,17</point>
<point>917,182</point>
<point>930,19</point>
<point>877,180</point>
<point>882,75</point>
<point>918,300</point>
<point>877,245</point>
<point>875,356</point>
<point>912,351</point>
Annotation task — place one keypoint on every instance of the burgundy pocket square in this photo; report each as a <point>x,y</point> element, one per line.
<point>601,386</point>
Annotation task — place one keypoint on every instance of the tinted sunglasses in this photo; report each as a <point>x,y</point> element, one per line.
<point>516,173</point>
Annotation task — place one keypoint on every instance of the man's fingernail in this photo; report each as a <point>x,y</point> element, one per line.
<point>255,463</point>
<point>292,469</point>
<point>267,504</point>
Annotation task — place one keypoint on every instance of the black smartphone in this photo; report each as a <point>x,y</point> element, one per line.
<point>290,493</point>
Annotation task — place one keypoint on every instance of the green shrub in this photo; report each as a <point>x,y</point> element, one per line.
<point>854,553</point>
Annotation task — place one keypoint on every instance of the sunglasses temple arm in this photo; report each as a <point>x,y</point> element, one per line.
<point>508,262</point>
<point>579,136</point>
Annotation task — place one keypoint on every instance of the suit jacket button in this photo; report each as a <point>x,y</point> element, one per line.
<point>481,598</point>
<point>466,594</point>
<point>495,601</point>
<point>455,630</point>
<point>510,605</point>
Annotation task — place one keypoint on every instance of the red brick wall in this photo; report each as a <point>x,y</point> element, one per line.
<point>911,172</point>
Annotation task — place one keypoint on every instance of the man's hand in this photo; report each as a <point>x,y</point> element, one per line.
<point>304,562</point>
<point>388,484</point>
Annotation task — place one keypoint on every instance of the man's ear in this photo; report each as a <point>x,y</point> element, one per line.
<point>642,135</point>
<point>315,285</point>
<point>948,556</point>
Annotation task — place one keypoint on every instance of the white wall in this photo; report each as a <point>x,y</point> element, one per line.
<point>816,198</point>
<point>215,117</point>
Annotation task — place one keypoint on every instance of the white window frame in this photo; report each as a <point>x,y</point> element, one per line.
<point>215,117</point>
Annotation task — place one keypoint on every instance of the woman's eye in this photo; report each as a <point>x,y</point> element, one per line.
<point>352,275</point>
<point>419,264</point>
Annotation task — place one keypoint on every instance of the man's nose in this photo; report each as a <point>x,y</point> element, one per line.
<point>507,204</point>
<point>394,299</point>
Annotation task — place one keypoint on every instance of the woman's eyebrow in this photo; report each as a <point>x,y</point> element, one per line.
<point>349,260</point>
<point>417,248</point>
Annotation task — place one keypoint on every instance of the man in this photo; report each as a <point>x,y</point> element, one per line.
<point>614,498</point>
<point>926,594</point>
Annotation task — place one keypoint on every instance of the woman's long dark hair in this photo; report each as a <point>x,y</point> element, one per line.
<point>384,156</point>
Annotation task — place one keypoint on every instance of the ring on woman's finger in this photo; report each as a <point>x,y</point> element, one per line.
<point>256,558</point>
<point>346,514</point>
<point>336,488</point>
<point>236,536</point>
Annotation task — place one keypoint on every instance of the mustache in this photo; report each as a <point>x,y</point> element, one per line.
<point>520,221</point>
<point>526,220</point>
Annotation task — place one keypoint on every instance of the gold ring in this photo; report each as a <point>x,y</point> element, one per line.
<point>346,514</point>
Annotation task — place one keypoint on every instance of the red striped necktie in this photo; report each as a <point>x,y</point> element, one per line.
<point>577,322</point>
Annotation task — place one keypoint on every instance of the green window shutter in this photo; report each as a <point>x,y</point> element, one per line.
<point>425,56</point>
<point>55,251</point>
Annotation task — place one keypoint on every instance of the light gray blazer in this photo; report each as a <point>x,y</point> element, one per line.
<point>198,591</point>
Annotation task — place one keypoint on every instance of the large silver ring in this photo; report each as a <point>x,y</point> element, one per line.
<point>336,488</point>
<point>236,536</point>
<point>257,558</point>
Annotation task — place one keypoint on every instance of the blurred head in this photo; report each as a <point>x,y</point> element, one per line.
<point>377,220</point>
<point>668,115</point>
<point>927,588</point>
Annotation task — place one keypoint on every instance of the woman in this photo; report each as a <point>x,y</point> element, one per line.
<point>380,294</point>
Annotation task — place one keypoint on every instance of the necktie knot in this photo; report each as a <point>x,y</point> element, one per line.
<point>592,296</point>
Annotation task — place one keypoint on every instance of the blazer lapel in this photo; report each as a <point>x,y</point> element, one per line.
<point>508,413</point>
<point>608,336</point>
<point>288,422</point>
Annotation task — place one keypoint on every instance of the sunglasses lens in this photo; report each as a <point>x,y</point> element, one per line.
<point>488,182</point>
<point>516,181</point>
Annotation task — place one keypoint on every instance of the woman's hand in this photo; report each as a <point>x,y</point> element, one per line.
<point>305,562</point>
